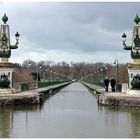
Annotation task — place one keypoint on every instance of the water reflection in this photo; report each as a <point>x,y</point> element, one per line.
<point>73,112</point>
<point>134,123</point>
<point>6,121</point>
<point>7,117</point>
<point>132,115</point>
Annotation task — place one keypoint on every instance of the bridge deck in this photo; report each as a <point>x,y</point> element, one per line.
<point>114,98</point>
<point>29,97</point>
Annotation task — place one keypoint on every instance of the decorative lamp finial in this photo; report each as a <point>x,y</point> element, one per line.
<point>137,19</point>
<point>124,35</point>
<point>4,18</point>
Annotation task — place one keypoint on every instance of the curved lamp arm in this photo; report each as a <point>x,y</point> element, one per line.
<point>14,46</point>
<point>126,47</point>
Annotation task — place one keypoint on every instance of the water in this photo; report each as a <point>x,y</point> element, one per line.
<point>71,113</point>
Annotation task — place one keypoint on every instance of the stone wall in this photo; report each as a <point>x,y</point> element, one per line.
<point>17,86</point>
<point>128,101</point>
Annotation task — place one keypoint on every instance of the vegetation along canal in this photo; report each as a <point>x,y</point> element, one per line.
<point>71,113</point>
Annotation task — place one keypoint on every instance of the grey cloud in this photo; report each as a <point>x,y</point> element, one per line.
<point>72,27</point>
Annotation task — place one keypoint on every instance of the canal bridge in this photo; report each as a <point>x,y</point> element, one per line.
<point>31,111</point>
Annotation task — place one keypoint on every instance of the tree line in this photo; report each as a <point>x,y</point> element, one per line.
<point>30,71</point>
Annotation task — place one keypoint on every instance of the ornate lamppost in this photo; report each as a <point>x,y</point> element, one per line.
<point>5,46</point>
<point>104,72</point>
<point>116,62</point>
<point>6,68</point>
<point>28,77</point>
<point>134,67</point>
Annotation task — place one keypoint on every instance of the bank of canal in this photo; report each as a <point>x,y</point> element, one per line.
<point>71,113</point>
<point>36,96</point>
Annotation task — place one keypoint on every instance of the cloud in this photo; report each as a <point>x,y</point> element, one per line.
<point>75,30</point>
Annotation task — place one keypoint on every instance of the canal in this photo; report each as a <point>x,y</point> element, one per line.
<point>73,112</point>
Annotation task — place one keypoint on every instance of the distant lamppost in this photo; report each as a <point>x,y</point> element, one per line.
<point>51,75</point>
<point>106,69</point>
<point>49,71</point>
<point>36,76</point>
<point>116,62</point>
<point>40,71</point>
<point>46,72</point>
<point>29,64</point>
<point>60,77</point>
<point>38,68</point>
<point>98,72</point>
<point>57,76</point>
<point>104,72</point>
<point>37,72</point>
<point>96,78</point>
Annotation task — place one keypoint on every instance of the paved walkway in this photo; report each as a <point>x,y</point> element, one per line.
<point>30,93</point>
<point>101,90</point>
<point>115,98</point>
<point>94,87</point>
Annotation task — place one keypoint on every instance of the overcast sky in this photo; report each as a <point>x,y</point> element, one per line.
<point>70,31</point>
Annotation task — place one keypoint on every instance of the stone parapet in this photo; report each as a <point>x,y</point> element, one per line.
<point>119,99</point>
<point>32,96</point>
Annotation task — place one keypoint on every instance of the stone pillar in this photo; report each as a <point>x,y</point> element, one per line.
<point>134,67</point>
<point>6,68</point>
